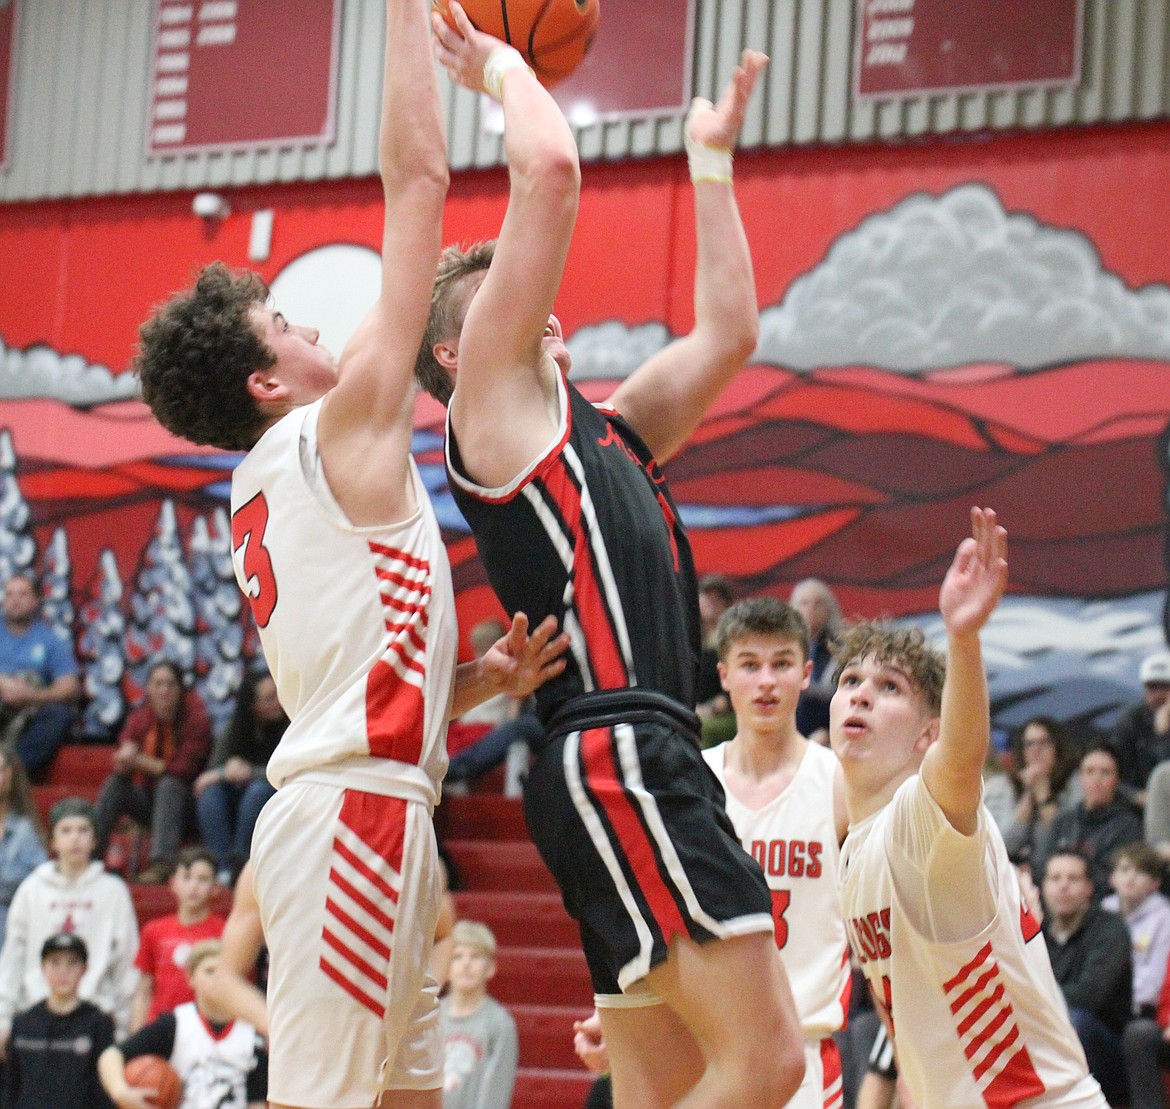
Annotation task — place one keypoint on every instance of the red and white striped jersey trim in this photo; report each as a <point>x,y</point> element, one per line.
<point>405,591</point>
<point>361,908</point>
<point>987,1029</point>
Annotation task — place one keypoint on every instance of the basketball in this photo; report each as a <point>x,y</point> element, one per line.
<point>154,1072</point>
<point>553,35</point>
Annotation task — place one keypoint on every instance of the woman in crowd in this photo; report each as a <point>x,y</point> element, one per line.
<point>231,793</point>
<point>21,845</point>
<point>1044,759</point>
<point>163,746</point>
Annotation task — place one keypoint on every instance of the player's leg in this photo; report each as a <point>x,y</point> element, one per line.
<point>733,997</point>
<point>654,1060</point>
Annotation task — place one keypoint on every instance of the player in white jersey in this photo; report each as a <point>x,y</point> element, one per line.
<point>786,801</point>
<point>953,955</point>
<point>338,550</point>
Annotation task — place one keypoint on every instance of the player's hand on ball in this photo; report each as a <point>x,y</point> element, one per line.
<point>462,50</point>
<point>718,124</point>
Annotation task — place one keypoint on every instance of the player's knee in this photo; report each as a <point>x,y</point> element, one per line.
<point>771,1071</point>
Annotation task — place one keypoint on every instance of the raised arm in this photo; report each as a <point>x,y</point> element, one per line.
<point>365,424</point>
<point>953,767</point>
<point>499,350</point>
<point>665,399</point>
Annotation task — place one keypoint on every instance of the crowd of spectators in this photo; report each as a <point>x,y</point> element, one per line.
<point>1088,824</point>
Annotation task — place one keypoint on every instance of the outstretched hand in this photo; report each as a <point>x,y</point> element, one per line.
<point>518,663</point>
<point>462,50</point>
<point>977,577</point>
<point>718,124</point>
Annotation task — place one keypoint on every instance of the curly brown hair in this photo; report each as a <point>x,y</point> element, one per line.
<point>905,648</point>
<point>195,355</point>
<point>448,308</point>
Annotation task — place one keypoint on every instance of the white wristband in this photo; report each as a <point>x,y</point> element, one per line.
<point>500,61</point>
<point>708,163</point>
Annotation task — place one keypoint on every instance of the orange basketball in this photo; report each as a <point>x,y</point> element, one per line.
<point>156,1073</point>
<point>553,35</point>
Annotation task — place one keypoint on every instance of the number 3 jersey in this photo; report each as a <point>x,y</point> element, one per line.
<point>958,962</point>
<point>794,839</point>
<point>357,623</point>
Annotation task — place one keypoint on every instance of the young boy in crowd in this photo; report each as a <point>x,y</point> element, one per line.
<point>481,1046</point>
<point>167,941</point>
<point>72,892</point>
<point>1136,880</point>
<point>222,1062</point>
<point>785,798</point>
<point>55,1045</point>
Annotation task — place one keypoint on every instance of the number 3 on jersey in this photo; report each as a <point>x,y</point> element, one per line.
<point>248,524</point>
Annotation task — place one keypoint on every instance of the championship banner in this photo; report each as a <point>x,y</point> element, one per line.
<point>242,74</point>
<point>906,48</point>
<point>7,69</point>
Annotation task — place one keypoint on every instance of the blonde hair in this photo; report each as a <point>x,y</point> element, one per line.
<point>204,949</point>
<point>470,933</point>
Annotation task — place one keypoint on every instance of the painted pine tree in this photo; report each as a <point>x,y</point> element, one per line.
<point>162,617</point>
<point>18,548</point>
<point>99,650</point>
<point>219,635</point>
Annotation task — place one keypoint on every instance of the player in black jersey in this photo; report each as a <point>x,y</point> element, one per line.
<point>572,518</point>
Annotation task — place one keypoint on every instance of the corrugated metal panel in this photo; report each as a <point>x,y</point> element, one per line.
<point>82,90</point>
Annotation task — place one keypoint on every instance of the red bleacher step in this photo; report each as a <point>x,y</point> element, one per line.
<point>546,1034</point>
<point>499,865</point>
<point>542,976</point>
<point>78,765</point>
<point>481,816</point>
<point>545,1088</point>
<point>520,919</point>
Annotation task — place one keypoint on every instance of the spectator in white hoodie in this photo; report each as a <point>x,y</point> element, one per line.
<point>70,893</point>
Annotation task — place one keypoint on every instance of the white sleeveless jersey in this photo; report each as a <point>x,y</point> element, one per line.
<point>214,1069</point>
<point>357,623</point>
<point>958,962</point>
<point>794,839</point>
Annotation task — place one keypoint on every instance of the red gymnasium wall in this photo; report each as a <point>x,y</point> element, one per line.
<point>847,467</point>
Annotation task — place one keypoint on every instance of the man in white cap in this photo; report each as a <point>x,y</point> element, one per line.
<point>1142,735</point>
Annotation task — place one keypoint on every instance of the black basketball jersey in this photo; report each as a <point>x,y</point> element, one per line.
<point>589,533</point>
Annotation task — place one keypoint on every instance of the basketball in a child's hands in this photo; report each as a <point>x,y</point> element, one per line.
<point>156,1073</point>
<point>553,35</point>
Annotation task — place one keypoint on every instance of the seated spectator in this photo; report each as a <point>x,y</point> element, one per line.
<point>500,730</point>
<point>1090,953</point>
<point>55,1045</point>
<point>1102,821</point>
<point>39,686</point>
<point>230,794</point>
<point>221,1061</point>
<point>71,893</point>
<point>167,941</point>
<point>815,602</point>
<point>21,849</point>
<point>1043,772</point>
<point>479,1071</point>
<point>711,703</point>
<point>1147,1054</point>
<point>1136,878</point>
<point>1141,737</point>
<point>163,746</point>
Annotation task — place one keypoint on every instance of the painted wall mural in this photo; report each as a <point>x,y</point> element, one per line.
<point>986,321</point>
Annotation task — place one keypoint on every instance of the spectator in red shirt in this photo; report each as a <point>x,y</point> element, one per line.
<point>166,942</point>
<point>163,747</point>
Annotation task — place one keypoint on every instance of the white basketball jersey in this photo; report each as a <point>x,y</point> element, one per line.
<point>214,1069</point>
<point>794,839</point>
<point>357,623</point>
<point>953,955</point>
